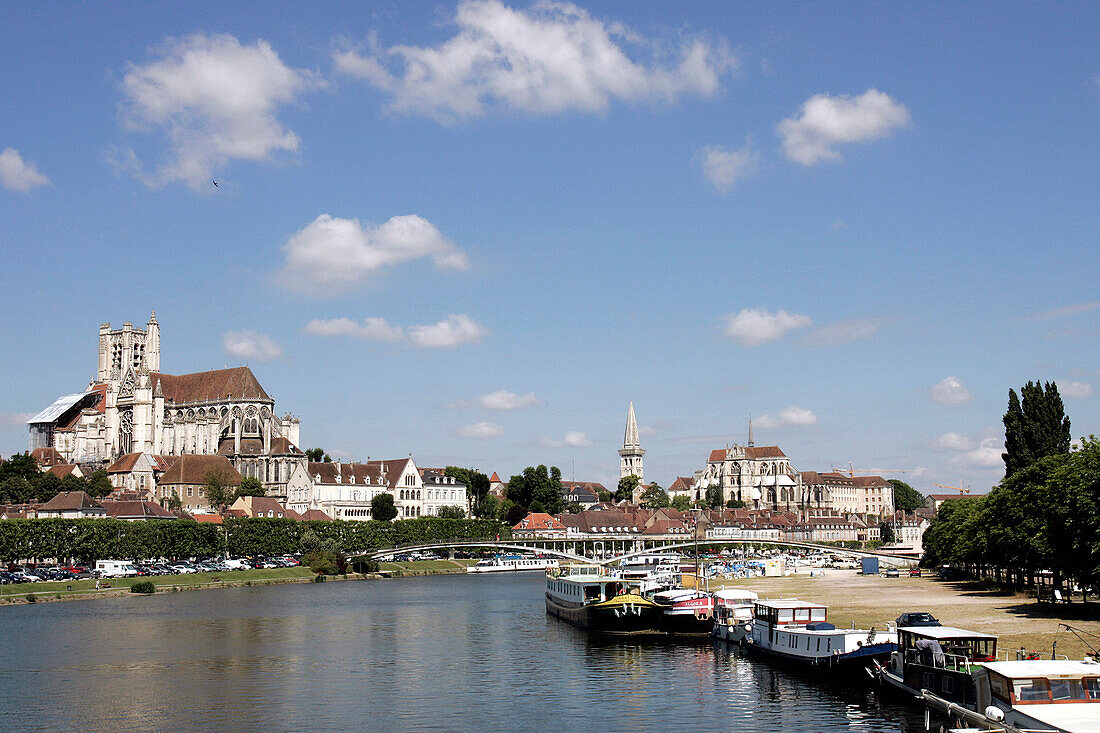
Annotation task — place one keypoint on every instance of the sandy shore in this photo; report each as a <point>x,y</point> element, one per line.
<point>875,600</point>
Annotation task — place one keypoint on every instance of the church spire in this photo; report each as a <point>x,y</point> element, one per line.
<point>750,431</point>
<point>631,440</point>
<point>630,456</point>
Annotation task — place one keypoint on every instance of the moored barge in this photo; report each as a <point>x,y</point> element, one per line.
<point>590,597</point>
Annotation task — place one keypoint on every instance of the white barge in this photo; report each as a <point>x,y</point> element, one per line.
<point>511,564</point>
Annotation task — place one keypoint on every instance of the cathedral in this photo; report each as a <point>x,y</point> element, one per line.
<point>133,407</point>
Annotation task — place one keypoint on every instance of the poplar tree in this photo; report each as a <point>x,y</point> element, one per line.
<point>1036,426</point>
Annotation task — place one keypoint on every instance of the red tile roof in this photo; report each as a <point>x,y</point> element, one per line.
<point>125,464</point>
<point>47,456</point>
<point>360,472</point>
<point>136,510</point>
<point>538,521</point>
<point>756,453</point>
<point>207,518</point>
<point>70,501</point>
<point>314,515</point>
<point>216,384</point>
<point>192,469</point>
<point>62,470</point>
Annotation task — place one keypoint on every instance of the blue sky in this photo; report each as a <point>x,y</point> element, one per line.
<point>472,232</point>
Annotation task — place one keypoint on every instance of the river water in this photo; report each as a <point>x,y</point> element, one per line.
<point>441,653</point>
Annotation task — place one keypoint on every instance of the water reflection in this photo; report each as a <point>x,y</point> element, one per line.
<point>449,653</point>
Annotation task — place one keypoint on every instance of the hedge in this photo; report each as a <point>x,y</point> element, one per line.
<point>88,540</point>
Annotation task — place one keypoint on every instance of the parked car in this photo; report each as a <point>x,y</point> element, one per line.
<point>892,573</point>
<point>917,618</point>
<point>914,572</point>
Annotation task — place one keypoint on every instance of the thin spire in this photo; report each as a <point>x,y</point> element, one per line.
<point>750,431</point>
<point>631,439</point>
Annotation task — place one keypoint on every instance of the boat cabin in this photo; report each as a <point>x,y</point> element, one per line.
<point>940,659</point>
<point>1041,681</point>
<point>783,613</point>
<point>585,584</point>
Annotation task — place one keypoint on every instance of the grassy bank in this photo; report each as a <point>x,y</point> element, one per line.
<point>874,600</point>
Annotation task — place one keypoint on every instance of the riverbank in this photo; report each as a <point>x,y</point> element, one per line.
<point>865,601</point>
<point>78,590</point>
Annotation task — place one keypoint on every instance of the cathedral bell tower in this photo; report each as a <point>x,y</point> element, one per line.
<point>630,457</point>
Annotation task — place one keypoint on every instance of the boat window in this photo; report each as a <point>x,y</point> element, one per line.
<point>591,592</point>
<point>1067,690</point>
<point>802,614</point>
<point>1034,690</point>
<point>998,685</point>
<point>785,615</point>
<point>1092,686</point>
<point>819,643</point>
<point>948,684</point>
<point>817,614</point>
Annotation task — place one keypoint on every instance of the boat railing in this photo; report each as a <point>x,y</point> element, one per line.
<point>1022,655</point>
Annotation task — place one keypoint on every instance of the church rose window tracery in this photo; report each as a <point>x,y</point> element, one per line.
<point>126,431</point>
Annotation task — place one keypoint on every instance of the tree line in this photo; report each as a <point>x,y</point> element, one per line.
<point>1043,516</point>
<point>21,482</point>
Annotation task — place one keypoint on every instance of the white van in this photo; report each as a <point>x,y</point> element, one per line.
<point>115,568</point>
<point>237,564</point>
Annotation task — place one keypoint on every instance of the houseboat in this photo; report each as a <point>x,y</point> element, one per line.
<point>798,632</point>
<point>733,614</point>
<point>593,598</point>
<point>940,659</point>
<point>686,611</point>
<point>511,563</point>
<point>1049,694</point>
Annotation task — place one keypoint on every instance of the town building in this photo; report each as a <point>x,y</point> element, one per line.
<point>848,494</point>
<point>760,477</point>
<point>585,493</point>
<point>136,510</point>
<point>133,407</point>
<point>538,525</point>
<point>71,505</point>
<point>441,490</point>
<point>345,490</point>
<point>260,507</point>
<point>186,478</point>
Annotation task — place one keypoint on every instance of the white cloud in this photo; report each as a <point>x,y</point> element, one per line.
<point>986,455</point>
<point>843,332</point>
<point>573,439</point>
<point>723,167</point>
<point>1069,310</point>
<point>333,254</point>
<point>825,122</point>
<point>215,101</point>
<point>753,326</point>
<point>372,329</point>
<point>950,391</point>
<point>788,417</point>
<point>251,346</point>
<point>1074,390</point>
<point>17,174</point>
<point>954,441</point>
<point>550,58</point>
<point>452,331</point>
<point>15,419</point>
<point>480,431</point>
<point>504,400</point>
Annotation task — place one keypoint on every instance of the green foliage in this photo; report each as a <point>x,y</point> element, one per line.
<point>604,496</point>
<point>451,512</point>
<point>382,507</point>
<point>514,514</point>
<point>74,483</point>
<point>173,503</point>
<point>906,498</point>
<point>626,487</point>
<point>318,455</point>
<point>477,483</point>
<point>250,486</point>
<point>487,508</point>
<point>713,497</point>
<point>16,490</point>
<point>537,487</point>
<point>681,502</point>
<point>219,490</point>
<point>99,484</point>
<point>46,486</point>
<point>1036,426</point>
<point>735,504</point>
<point>887,532</point>
<point>654,497</point>
<point>573,507</point>
<point>144,587</point>
<point>20,465</point>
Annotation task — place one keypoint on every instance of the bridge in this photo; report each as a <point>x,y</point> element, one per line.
<point>614,549</point>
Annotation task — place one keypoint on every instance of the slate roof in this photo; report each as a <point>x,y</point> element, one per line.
<point>213,385</point>
<point>70,501</point>
<point>360,472</point>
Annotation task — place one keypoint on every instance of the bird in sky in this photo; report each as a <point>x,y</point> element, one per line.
<point>215,184</point>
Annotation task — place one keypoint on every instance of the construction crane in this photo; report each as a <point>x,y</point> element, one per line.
<point>959,489</point>
<point>851,471</point>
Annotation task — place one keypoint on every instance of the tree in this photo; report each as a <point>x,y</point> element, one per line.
<point>173,503</point>
<point>681,503</point>
<point>625,490</point>
<point>1036,426</point>
<point>487,508</point>
<point>20,465</point>
<point>46,486</point>
<point>906,498</point>
<point>219,489</point>
<point>382,507</point>
<point>573,507</point>
<point>477,483</point>
<point>99,484</point>
<point>513,514</point>
<point>887,532</point>
<point>250,486</point>
<point>318,455</point>
<point>451,512</point>
<point>537,486</point>
<point>714,498</point>
<point>654,497</point>
<point>16,490</point>
<point>74,483</point>
<point>603,496</point>
<point>735,504</point>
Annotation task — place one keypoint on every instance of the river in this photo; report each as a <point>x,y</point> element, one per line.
<point>442,653</point>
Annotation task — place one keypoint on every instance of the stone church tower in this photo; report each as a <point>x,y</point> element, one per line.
<point>630,457</point>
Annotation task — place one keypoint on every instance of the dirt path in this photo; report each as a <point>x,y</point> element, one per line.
<point>875,600</point>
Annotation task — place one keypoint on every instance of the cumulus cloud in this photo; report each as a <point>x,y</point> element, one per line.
<point>954,441</point>
<point>250,346</point>
<point>825,122</point>
<point>843,332</point>
<point>504,400</point>
<point>480,431</point>
<point>723,167</point>
<point>333,254</point>
<point>753,326</point>
<point>371,329</point>
<point>950,391</point>
<point>1074,390</point>
<point>214,100</point>
<point>572,439</point>
<point>552,57</point>
<point>986,455</point>
<point>15,419</point>
<point>17,174</point>
<point>788,417</point>
<point>451,331</point>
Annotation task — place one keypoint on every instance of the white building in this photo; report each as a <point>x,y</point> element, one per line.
<point>759,476</point>
<point>848,494</point>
